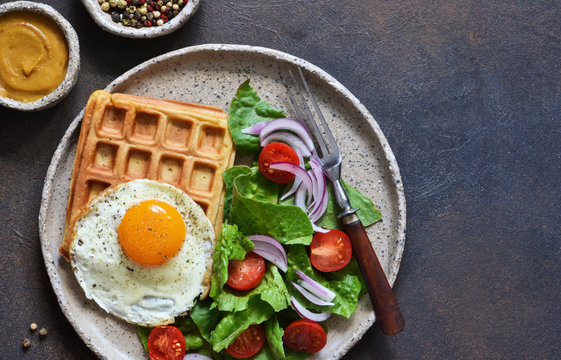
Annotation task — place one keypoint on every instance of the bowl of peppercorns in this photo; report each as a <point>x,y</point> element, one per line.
<point>141,18</point>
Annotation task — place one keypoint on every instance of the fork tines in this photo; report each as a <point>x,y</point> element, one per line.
<point>329,152</point>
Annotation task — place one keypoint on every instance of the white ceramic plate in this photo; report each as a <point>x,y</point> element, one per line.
<point>211,74</point>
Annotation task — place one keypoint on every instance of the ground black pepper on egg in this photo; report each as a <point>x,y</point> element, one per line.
<point>142,13</point>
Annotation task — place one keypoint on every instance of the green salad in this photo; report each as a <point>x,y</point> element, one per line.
<point>254,205</point>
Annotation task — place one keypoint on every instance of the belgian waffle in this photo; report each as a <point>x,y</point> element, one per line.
<point>126,137</point>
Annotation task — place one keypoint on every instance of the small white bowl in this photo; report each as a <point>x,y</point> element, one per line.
<point>73,56</point>
<point>103,19</point>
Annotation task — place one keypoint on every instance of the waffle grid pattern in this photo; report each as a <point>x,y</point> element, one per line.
<point>126,137</point>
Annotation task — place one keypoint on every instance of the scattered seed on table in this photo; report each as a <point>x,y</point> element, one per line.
<point>43,332</point>
<point>33,327</point>
<point>26,343</point>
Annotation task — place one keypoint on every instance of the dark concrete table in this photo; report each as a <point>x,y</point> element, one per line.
<point>468,94</point>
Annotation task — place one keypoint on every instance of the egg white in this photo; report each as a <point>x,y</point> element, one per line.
<point>142,295</point>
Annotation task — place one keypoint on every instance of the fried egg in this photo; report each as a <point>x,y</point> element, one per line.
<point>143,252</point>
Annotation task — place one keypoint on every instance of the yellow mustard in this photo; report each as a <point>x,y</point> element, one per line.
<point>33,56</point>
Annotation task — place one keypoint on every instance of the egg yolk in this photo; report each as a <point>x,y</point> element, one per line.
<point>152,232</point>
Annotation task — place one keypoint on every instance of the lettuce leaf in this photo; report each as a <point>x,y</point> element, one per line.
<point>247,109</point>
<point>143,333</point>
<point>257,187</point>
<point>367,212</point>
<point>295,355</point>
<point>234,323</point>
<point>271,289</point>
<point>206,318</point>
<point>255,212</point>
<point>264,354</point>
<point>228,176</point>
<point>231,245</point>
<point>193,338</point>
<point>345,283</point>
<point>273,334</point>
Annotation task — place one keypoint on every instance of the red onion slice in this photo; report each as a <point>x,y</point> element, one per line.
<point>314,287</point>
<point>308,295</point>
<point>318,212</point>
<point>195,356</point>
<point>255,129</point>
<point>288,125</point>
<point>269,240</point>
<point>297,181</point>
<point>319,229</point>
<point>290,139</point>
<point>307,314</point>
<point>318,178</point>
<point>296,170</point>
<point>315,198</point>
<point>300,198</point>
<point>271,256</point>
<point>270,249</point>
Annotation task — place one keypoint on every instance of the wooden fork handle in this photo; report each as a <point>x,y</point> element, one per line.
<point>385,305</point>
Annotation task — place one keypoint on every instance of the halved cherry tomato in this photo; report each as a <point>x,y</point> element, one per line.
<point>166,343</point>
<point>305,336</point>
<point>277,152</point>
<point>248,343</point>
<point>330,251</point>
<point>247,273</point>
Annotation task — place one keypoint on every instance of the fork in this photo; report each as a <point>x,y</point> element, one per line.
<point>386,308</point>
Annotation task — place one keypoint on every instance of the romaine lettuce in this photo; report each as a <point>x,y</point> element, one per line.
<point>231,245</point>
<point>346,285</point>
<point>367,212</point>
<point>247,109</point>
<point>234,323</point>
<point>229,175</point>
<point>271,289</point>
<point>273,334</point>
<point>143,333</point>
<point>206,318</point>
<point>287,223</point>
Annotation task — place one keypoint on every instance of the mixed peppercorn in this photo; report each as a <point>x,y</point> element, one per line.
<point>142,13</point>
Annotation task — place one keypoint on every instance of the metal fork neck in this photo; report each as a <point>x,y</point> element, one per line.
<point>342,199</point>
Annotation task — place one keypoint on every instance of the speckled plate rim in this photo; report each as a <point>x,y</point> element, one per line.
<point>103,20</point>
<point>73,56</point>
<point>393,169</point>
